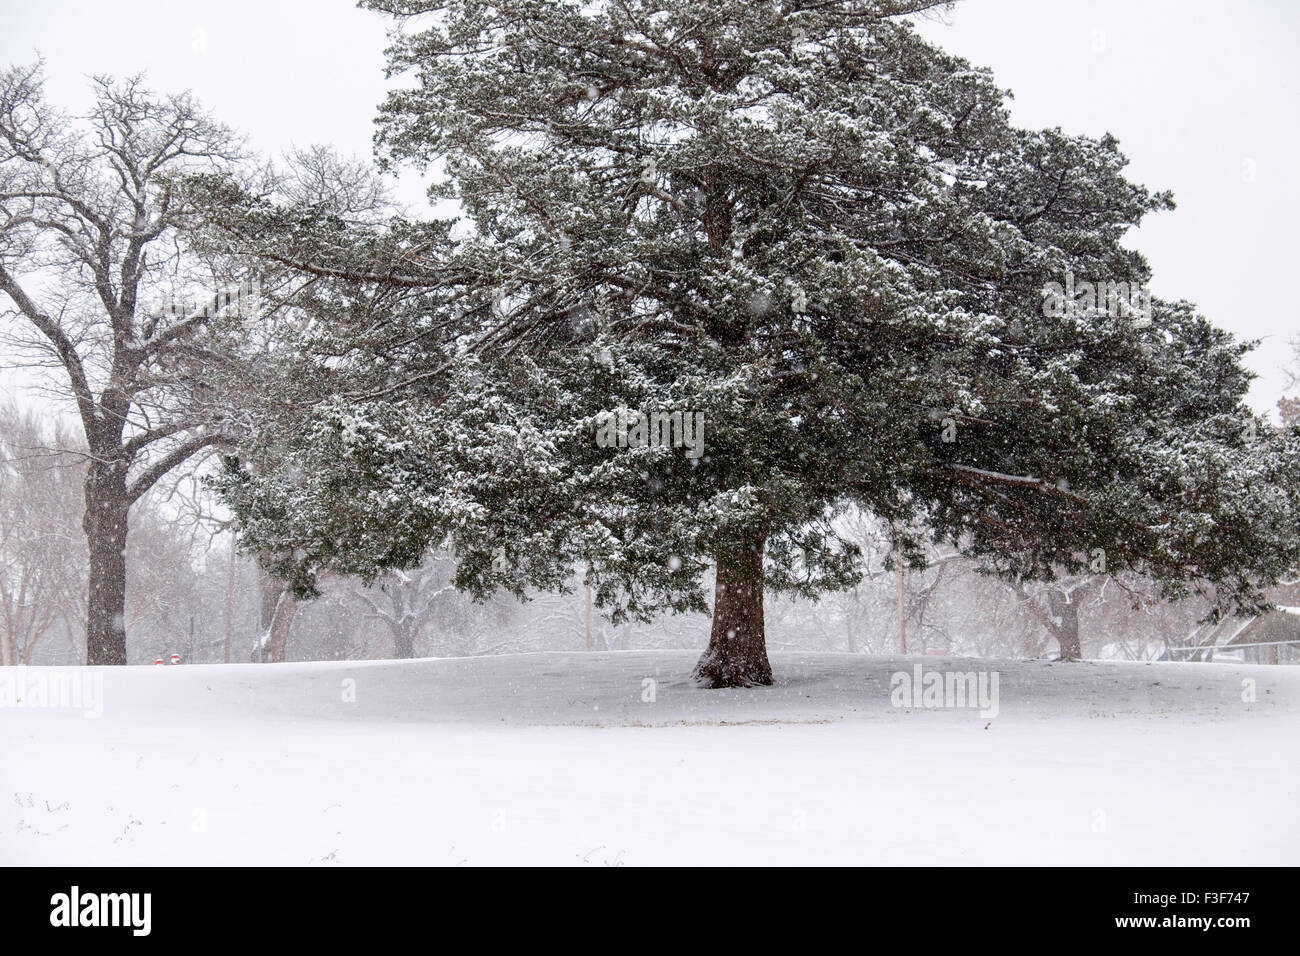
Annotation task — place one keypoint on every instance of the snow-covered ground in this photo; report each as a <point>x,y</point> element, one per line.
<point>615,759</point>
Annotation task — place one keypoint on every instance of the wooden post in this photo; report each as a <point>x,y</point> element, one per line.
<point>902,619</point>
<point>230,599</point>
<point>589,610</point>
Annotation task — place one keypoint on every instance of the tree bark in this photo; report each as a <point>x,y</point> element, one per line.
<point>404,642</point>
<point>276,636</point>
<point>105,524</point>
<point>1066,611</point>
<point>269,589</point>
<point>737,651</point>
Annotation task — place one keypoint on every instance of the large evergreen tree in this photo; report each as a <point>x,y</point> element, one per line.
<point>797,219</point>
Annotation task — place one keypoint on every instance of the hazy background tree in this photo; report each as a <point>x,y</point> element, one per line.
<point>42,546</point>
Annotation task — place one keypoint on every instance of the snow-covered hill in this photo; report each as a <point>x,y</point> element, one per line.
<point>610,759</point>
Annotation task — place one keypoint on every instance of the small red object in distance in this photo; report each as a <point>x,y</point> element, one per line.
<point>158,661</point>
<point>176,658</point>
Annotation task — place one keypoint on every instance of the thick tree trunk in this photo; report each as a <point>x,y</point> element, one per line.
<point>278,607</point>
<point>105,523</point>
<point>404,643</point>
<point>737,651</point>
<point>269,589</point>
<point>276,636</point>
<point>1067,631</point>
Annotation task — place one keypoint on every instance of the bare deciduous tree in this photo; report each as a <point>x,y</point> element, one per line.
<point>93,224</point>
<point>405,601</point>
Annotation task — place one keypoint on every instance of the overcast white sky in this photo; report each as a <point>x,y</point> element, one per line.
<point>1202,95</point>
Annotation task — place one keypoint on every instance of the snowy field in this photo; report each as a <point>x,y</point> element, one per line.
<point>615,759</point>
